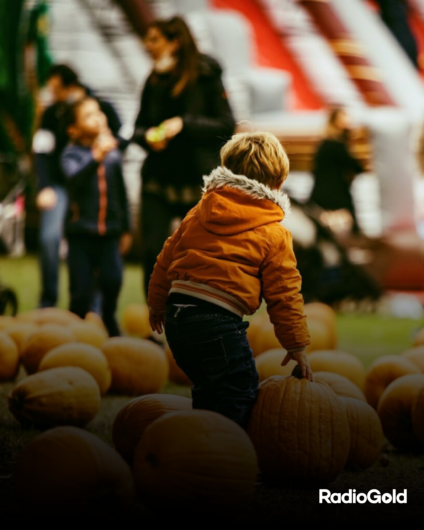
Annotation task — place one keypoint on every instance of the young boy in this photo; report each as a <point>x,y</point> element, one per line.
<point>230,252</point>
<point>98,224</point>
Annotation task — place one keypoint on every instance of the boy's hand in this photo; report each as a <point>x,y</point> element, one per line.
<point>102,146</point>
<point>125,242</point>
<point>173,126</point>
<point>302,360</point>
<point>156,319</point>
<point>46,199</point>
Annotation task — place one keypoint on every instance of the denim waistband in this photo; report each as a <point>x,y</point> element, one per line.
<point>200,313</point>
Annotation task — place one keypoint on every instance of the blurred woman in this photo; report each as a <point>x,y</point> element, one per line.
<point>334,168</point>
<point>183,121</point>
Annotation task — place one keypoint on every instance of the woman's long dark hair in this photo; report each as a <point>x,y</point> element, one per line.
<point>187,54</point>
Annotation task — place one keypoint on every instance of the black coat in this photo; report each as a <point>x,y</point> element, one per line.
<point>334,169</point>
<point>208,124</point>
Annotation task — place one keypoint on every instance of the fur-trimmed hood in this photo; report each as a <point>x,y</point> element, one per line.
<point>239,203</point>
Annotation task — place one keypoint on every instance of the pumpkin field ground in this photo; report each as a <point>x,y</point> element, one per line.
<point>368,336</point>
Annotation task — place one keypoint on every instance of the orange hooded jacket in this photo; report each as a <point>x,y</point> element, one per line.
<point>232,250</point>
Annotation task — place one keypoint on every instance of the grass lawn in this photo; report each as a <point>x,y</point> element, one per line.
<point>366,335</point>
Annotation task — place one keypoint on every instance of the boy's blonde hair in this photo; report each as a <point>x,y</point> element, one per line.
<point>257,155</point>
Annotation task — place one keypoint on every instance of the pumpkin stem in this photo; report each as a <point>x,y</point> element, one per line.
<point>297,372</point>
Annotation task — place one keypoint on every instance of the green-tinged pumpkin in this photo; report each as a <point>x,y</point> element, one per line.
<point>138,366</point>
<point>300,431</point>
<point>84,356</point>
<point>366,433</point>
<point>134,418</point>
<point>195,462</point>
<point>384,371</point>
<point>60,396</point>
<point>395,411</point>
<point>67,470</point>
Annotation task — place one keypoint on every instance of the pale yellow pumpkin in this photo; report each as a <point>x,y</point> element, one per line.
<point>83,356</point>
<point>269,363</point>
<point>67,470</point>
<point>323,335</point>
<point>49,315</point>
<point>382,372</point>
<point>395,411</point>
<point>60,396</point>
<point>300,431</point>
<point>195,462</point>
<point>339,362</point>
<point>176,375</point>
<point>366,433</point>
<point>418,417</point>
<point>94,318</point>
<point>416,356</point>
<point>19,333</point>
<point>134,418</point>
<point>256,323</point>
<point>135,320</point>
<point>89,333</point>
<point>138,366</point>
<point>9,358</point>
<point>320,311</point>
<point>342,386</point>
<point>44,339</point>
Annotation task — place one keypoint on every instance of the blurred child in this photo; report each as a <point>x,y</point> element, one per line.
<point>98,224</point>
<point>229,252</point>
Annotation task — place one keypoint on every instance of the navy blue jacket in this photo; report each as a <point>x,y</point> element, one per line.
<point>98,202</point>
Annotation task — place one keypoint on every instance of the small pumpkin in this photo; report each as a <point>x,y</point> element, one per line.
<point>256,323</point>
<point>323,335</point>
<point>84,356</point>
<point>416,356</point>
<point>320,311</point>
<point>418,417</point>
<point>9,358</point>
<point>89,333</point>
<point>134,418</point>
<point>269,363</point>
<point>395,411</point>
<point>44,339</point>
<point>19,333</point>
<point>138,366</point>
<point>49,315</point>
<point>60,396</point>
<point>176,375</point>
<point>70,470</point>
<point>341,386</point>
<point>94,318</point>
<point>366,433</point>
<point>339,362</point>
<point>195,461</point>
<point>135,320</point>
<point>382,372</point>
<point>300,431</point>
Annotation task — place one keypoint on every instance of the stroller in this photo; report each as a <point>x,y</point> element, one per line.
<point>12,222</point>
<point>328,273</point>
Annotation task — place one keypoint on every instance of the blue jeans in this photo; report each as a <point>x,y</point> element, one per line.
<point>213,350</point>
<point>51,232</point>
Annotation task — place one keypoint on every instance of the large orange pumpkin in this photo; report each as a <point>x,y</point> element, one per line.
<point>138,366</point>
<point>44,339</point>
<point>269,363</point>
<point>197,462</point>
<point>416,356</point>
<point>342,386</point>
<point>300,431</point>
<point>366,433</point>
<point>340,363</point>
<point>135,320</point>
<point>134,418</point>
<point>395,411</point>
<point>89,333</point>
<point>19,333</point>
<point>382,372</point>
<point>69,470</point>
<point>418,417</point>
<point>176,375</point>
<point>49,315</point>
<point>9,358</point>
<point>60,396</point>
<point>84,356</point>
